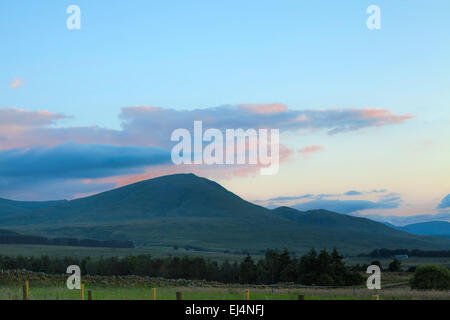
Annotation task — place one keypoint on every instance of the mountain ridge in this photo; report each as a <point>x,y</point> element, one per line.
<point>184,209</point>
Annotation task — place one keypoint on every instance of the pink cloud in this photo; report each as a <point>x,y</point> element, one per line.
<point>17,83</point>
<point>22,117</point>
<point>427,143</point>
<point>152,126</point>
<point>264,108</point>
<point>310,149</point>
<point>383,116</point>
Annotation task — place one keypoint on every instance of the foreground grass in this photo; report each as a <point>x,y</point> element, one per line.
<point>190,293</point>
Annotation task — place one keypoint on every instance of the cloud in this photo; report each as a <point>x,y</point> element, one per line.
<point>379,191</point>
<point>53,189</point>
<point>29,119</point>
<point>77,161</point>
<point>21,131</point>
<point>22,169</point>
<point>353,193</point>
<point>445,203</point>
<point>164,121</point>
<point>305,196</point>
<point>265,108</point>
<point>17,83</point>
<point>347,206</point>
<point>339,202</point>
<point>152,126</point>
<point>310,149</point>
<point>326,195</point>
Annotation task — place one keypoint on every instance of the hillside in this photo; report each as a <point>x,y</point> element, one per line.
<point>8,207</point>
<point>186,210</point>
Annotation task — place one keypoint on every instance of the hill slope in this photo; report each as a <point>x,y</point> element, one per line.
<point>9,207</point>
<point>186,210</point>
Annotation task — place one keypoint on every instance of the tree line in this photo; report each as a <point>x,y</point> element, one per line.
<point>9,237</point>
<point>315,268</point>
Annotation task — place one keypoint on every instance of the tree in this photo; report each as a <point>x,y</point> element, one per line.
<point>376,263</point>
<point>247,270</point>
<point>431,277</point>
<point>395,265</point>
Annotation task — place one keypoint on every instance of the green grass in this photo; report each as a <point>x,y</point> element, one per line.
<point>189,293</point>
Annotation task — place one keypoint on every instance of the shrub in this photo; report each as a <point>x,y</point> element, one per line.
<point>431,277</point>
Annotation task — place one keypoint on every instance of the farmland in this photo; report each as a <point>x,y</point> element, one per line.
<point>53,287</point>
<point>210,293</point>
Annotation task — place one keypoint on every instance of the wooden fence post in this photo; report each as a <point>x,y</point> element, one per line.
<point>90,295</point>
<point>247,294</point>
<point>82,291</point>
<point>154,293</point>
<point>26,290</point>
<point>179,296</point>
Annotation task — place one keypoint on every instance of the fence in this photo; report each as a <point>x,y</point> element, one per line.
<point>178,294</point>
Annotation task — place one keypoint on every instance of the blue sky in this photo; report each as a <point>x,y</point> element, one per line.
<point>185,55</point>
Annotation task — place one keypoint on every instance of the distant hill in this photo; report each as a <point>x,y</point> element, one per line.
<point>185,210</point>
<point>8,207</point>
<point>431,228</point>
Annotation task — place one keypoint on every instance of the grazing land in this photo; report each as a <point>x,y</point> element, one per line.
<point>207,293</point>
<point>30,250</point>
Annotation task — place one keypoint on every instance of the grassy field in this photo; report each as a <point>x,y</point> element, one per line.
<point>189,293</point>
<point>29,250</point>
<point>406,263</point>
<point>44,287</point>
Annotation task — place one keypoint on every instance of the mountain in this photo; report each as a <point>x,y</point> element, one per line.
<point>186,210</point>
<point>8,207</point>
<point>432,228</point>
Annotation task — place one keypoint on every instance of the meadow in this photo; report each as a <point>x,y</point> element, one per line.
<point>209,293</point>
<point>53,287</point>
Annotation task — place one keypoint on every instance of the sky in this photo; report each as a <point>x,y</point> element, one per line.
<point>363,114</point>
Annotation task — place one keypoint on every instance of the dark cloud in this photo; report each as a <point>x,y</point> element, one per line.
<point>77,161</point>
<point>22,169</point>
<point>51,189</point>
